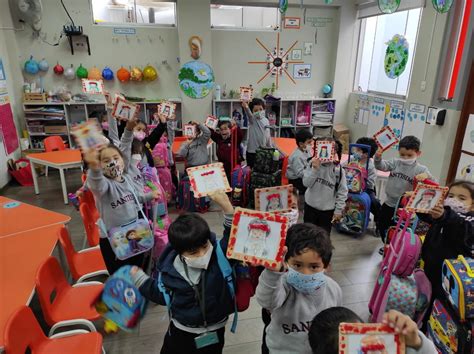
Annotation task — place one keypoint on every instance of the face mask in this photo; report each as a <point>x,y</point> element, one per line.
<point>408,161</point>
<point>113,169</point>
<point>259,114</point>
<point>357,156</point>
<point>305,283</point>
<point>200,262</point>
<point>105,125</point>
<point>456,205</point>
<point>139,135</point>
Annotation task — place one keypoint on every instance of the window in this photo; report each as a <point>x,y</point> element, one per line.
<point>251,17</point>
<point>374,34</point>
<point>140,12</point>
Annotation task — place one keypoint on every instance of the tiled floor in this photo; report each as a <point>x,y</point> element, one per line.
<point>354,266</point>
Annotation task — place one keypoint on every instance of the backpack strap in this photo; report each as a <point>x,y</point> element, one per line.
<point>164,292</point>
<point>338,178</point>
<point>227,273</point>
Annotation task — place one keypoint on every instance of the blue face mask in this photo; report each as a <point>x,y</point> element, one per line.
<point>305,283</point>
<point>357,156</point>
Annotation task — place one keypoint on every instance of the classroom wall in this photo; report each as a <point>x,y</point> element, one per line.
<point>437,142</point>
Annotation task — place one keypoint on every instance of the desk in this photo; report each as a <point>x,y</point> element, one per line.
<point>25,217</point>
<point>57,159</point>
<point>21,255</point>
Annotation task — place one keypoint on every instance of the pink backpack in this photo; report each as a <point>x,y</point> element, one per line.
<point>164,175</point>
<point>160,153</point>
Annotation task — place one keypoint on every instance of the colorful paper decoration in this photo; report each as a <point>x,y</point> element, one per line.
<point>43,65</point>
<point>283,6</point>
<point>369,338</point>
<point>385,138</point>
<point>396,56</point>
<point>207,179</point>
<point>195,44</point>
<point>88,136</point>
<point>246,93</point>
<point>325,151</point>
<point>93,87</point>
<point>272,199</point>
<point>277,61</point>
<point>123,74</point>
<point>388,6</point>
<point>167,108</point>
<point>123,109</point>
<point>136,74</point>
<point>149,73</point>
<point>94,74</point>
<point>442,6</point>
<point>196,79</point>
<point>426,197</point>
<point>107,74</point>
<point>31,66</point>
<point>70,73</point>
<point>82,72</point>
<point>211,122</point>
<point>58,69</point>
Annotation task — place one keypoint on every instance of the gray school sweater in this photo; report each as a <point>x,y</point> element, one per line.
<point>400,179</point>
<point>292,311</point>
<point>321,184</point>
<point>297,163</point>
<point>195,151</point>
<point>257,134</point>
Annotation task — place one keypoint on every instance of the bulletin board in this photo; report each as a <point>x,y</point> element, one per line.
<point>7,124</point>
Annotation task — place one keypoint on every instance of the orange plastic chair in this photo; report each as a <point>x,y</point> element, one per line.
<point>86,263</point>
<point>54,143</point>
<point>23,332</point>
<point>89,221</point>
<point>62,302</point>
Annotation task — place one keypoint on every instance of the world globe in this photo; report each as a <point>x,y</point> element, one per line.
<point>196,79</point>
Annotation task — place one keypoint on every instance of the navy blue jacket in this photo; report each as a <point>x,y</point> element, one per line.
<point>184,304</point>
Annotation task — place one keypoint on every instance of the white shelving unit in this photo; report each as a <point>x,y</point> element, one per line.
<point>45,119</point>
<point>318,115</point>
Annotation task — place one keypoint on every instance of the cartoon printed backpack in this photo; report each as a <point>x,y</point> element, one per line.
<point>356,214</point>
<point>120,303</point>
<point>458,284</point>
<point>356,174</point>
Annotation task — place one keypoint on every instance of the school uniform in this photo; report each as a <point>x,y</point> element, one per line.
<point>257,136</point>
<point>224,150</point>
<point>195,151</point>
<point>297,163</point>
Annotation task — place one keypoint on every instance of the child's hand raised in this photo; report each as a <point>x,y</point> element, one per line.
<point>422,176</point>
<point>132,123</point>
<point>437,212</point>
<point>159,117</point>
<point>245,104</point>
<point>282,266</point>
<point>405,326</point>
<point>316,163</point>
<point>378,153</point>
<point>92,158</point>
<point>221,198</point>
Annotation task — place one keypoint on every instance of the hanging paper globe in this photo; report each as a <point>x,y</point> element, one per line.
<point>94,74</point>
<point>31,66</point>
<point>81,72</point>
<point>149,73</point>
<point>107,73</point>
<point>43,65</point>
<point>388,6</point>
<point>58,69</point>
<point>123,74</point>
<point>136,74</point>
<point>283,6</point>
<point>70,73</point>
<point>442,6</point>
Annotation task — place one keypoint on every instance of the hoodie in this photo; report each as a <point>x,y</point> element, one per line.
<point>400,179</point>
<point>321,184</point>
<point>297,163</point>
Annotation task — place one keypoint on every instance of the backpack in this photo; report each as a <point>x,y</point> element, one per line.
<point>228,274</point>
<point>186,200</point>
<point>160,154</point>
<point>166,181</point>
<point>356,174</point>
<point>240,183</point>
<point>356,214</point>
<point>120,303</point>
<point>458,284</point>
<point>266,160</point>
<point>447,332</point>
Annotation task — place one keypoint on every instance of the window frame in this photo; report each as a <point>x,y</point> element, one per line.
<point>136,24</point>
<point>362,22</point>
<point>247,29</point>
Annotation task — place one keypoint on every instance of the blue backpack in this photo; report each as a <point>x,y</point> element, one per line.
<point>121,303</point>
<point>186,199</point>
<point>356,214</point>
<point>227,273</point>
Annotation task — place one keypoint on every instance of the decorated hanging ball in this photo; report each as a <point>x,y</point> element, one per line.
<point>136,74</point>
<point>107,73</point>
<point>388,6</point>
<point>43,65</point>
<point>94,74</point>
<point>123,74</point>
<point>31,66</point>
<point>70,73</point>
<point>442,6</point>
<point>149,73</point>
<point>58,69</point>
<point>81,72</point>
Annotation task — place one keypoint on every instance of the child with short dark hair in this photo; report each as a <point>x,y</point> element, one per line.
<point>324,331</point>
<point>451,233</point>
<point>326,193</point>
<point>298,160</point>
<point>222,138</point>
<point>298,289</point>
<point>402,170</point>
<point>200,300</point>
<point>361,155</point>
<point>258,123</point>
<point>194,150</point>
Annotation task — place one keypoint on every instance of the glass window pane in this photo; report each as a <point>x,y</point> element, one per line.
<point>367,51</point>
<point>252,17</point>
<point>226,16</point>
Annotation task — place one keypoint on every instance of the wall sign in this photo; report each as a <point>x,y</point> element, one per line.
<point>319,21</point>
<point>292,23</point>
<point>417,108</point>
<point>124,30</point>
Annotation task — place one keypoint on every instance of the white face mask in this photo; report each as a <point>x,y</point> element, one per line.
<point>200,262</point>
<point>456,205</point>
<point>408,161</point>
<point>259,114</point>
